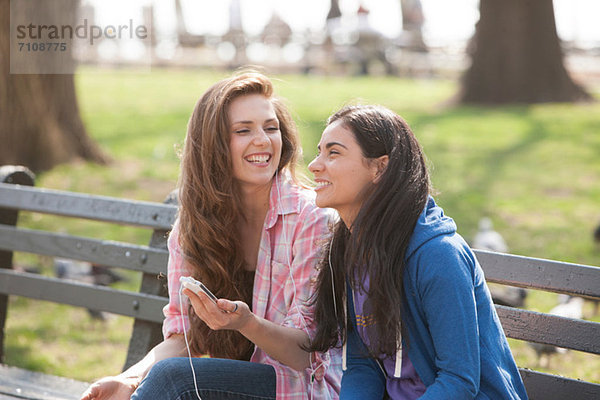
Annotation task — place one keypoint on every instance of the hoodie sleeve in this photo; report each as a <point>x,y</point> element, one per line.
<point>445,284</point>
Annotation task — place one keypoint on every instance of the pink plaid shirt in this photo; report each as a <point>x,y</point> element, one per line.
<point>293,230</point>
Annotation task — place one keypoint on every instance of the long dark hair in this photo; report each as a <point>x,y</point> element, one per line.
<point>375,248</point>
<point>210,204</point>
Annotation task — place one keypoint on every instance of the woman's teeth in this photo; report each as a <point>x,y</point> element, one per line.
<point>258,158</point>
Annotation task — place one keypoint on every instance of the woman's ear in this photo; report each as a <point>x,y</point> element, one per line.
<point>380,165</point>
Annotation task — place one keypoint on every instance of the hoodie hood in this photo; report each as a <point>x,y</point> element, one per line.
<point>431,223</point>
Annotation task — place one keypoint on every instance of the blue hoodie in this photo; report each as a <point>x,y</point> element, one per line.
<point>456,343</point>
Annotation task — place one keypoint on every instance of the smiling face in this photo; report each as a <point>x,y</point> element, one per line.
<point>342,173</point>
<point>255,141</point>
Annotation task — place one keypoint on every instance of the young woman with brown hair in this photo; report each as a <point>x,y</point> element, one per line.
<point>250,233</point>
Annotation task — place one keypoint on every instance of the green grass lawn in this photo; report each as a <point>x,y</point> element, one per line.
<point>533,169</point>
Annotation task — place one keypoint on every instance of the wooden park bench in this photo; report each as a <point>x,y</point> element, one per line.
<point>17,194</point>
<point>531,326</point>
<point>145,306</point>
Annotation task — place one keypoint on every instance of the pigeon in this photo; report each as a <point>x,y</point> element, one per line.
<point>568,307</point>
<point>88,273</point>
<point>488,239</point>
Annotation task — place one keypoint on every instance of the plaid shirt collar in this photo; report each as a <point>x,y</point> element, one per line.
<point>284,199</point>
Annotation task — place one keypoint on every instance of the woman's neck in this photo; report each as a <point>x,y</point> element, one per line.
<point>255,203</point>
<point>347,219</point>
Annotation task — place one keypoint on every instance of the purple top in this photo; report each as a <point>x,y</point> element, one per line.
<point>408,385</point>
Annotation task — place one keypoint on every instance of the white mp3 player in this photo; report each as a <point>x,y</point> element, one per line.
<point>196,286</point>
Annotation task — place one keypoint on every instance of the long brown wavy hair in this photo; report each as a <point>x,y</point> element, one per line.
<point>210,205</point>
<point>376,245</point>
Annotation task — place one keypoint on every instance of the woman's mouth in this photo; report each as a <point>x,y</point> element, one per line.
<point>258,159</point>
<point>322,184</point>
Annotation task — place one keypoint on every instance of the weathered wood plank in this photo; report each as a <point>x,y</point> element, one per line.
<point>537,273</point>
<point>550,329</point>
<point>100,208</point>
<point>146,335</point>
<point>102,252</point>
<point>16,383</point>
<point>14,175</point>
<point>542,386</point>
<point>139,305</point>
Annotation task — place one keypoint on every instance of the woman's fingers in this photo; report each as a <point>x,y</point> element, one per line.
<point>231,307</point>
<point>225,314</point>
<point>200,302</point>
<point>237,313</point>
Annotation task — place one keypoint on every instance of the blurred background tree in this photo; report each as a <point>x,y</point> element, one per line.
<point>517,57</point>
<point>412,23</point>
<point>40,125</point>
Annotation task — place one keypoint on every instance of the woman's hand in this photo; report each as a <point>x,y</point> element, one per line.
<point>226,314</point>
<point>280,342</point>
<point>111,387</point>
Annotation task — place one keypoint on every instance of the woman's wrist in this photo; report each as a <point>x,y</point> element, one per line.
<point>250,325</point>
<point>132,381</point>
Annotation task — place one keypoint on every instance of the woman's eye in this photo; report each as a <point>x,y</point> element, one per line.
<point>242,131</point>
<point>272,129</point>
<point>333,152</point>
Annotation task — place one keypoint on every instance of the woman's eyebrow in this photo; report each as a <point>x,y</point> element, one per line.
<point>330,145</point>
<point>251,122</point>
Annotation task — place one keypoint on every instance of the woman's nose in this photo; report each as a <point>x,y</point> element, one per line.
<point>260,138</point>
<point>315,165</point>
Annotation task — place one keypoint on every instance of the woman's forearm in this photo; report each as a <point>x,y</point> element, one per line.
<point>279,342</point>
<point>174,346</point>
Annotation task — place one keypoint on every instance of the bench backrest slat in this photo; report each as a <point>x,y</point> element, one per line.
<point>100,208</point>
<point>553,387</point>
<point>138,305</point>
<point>536,273</point>
<point>102,252</point>
<point>550,329</point>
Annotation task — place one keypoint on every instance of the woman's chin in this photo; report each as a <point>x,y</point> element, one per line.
<point>319,202</point>
<point>322,203</point>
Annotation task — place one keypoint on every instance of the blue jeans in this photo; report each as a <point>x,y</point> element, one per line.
<point>217,379</point>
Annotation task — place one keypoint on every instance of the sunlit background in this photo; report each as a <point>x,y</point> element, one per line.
<point>446,28</point>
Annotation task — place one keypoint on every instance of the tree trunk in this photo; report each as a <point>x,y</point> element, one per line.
<point>412,24</point>
<point>40,125</point>
<point>516,56</point>
<point>334,10</point>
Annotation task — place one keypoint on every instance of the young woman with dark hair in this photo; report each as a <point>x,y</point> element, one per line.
<point>398,284</point>
<point>251,234</point>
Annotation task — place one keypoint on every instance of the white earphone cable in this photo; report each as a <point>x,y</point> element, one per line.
<point>187,345</point>
<point>332,282</point>
<point>287,245</point>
